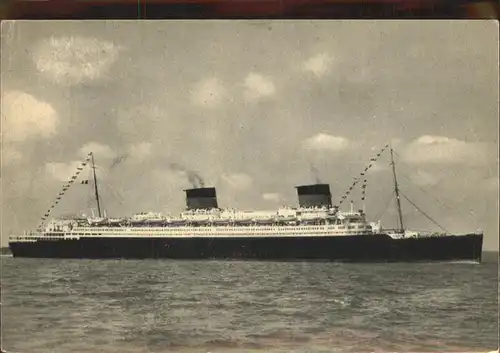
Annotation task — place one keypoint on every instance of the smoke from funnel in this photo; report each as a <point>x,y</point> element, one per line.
<point>315,174</point>
<point>119,159</point>
<point>194,178</point>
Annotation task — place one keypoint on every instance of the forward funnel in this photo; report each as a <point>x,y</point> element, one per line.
<point>201,198</point>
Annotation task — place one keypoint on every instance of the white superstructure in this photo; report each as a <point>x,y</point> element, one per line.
<point>214,223</point>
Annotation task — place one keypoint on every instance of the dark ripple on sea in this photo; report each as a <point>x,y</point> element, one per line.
<point>178,306</point>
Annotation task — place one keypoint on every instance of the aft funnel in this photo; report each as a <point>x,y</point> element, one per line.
<point>314,195</point>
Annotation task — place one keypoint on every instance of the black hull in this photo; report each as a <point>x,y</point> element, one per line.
<point>367,248</point>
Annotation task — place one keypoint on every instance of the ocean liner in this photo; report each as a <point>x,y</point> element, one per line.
<point>315,230</point>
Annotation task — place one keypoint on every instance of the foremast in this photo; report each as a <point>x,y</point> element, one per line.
<point>96,190</point>
<point>401,227</point>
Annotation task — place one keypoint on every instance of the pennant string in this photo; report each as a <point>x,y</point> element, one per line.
<point>362,175</point>
<point>65,187</point>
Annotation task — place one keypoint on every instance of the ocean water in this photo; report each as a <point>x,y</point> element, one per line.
<point>236,306</point>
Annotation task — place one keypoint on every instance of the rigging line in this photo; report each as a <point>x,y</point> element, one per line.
<point>114,193</point>
<point>425,192</point>
<point>425,214</point>
<point>422,189</point>
<point>386,206</point>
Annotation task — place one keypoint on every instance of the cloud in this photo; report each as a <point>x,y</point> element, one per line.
<point>318,65</point>
<point>396,142</point>
<point>379,167</point>
<point>140,151</point>
<point>100,151</point>
<point>325,142</point>
<point>24,116</point>
<point>491,184</point>
<point>425,179</point>
<point>208,93</point>
<point>10,155</point>
<point>137,120</point>
<point>443,150</point>
<point>257,87</point>
<point>238,180</point>
<point>173,179</point>
<point>62,171</point>
<point>271,196</point>
<point>135,153</point>
<point>74,60</point>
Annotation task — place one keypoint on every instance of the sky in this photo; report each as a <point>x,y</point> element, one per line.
<point>254,108</point>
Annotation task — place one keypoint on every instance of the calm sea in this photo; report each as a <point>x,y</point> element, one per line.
<point>175,306</point>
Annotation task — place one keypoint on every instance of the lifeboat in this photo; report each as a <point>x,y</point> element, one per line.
<point>176,222</point>
<point>221,221</point>
<point>287,219</point>
<point>97,221</point>
<point>200,222</point>
<point>116,221</point>
<point>243,221</point>
<point>265,221</point>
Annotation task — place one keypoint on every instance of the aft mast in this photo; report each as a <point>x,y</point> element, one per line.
<point>396,191</point>
<point>95,187</point>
